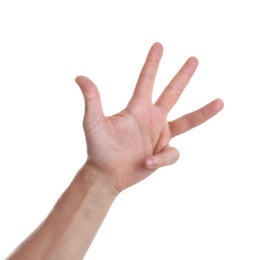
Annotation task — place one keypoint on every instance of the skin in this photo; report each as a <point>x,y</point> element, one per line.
<point>122,150</point>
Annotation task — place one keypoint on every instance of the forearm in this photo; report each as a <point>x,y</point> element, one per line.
<point>71,226</point>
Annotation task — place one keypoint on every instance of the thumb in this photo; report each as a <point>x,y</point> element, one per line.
<point>168,156</point>
<point>93,106</point>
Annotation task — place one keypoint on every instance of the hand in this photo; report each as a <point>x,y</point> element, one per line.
<point>127,147</point>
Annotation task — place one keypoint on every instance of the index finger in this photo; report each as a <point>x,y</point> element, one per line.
<point>148,73</point>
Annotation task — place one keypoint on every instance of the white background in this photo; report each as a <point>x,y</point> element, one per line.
<point>204,206</point>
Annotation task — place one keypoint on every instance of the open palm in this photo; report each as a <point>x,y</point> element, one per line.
<point>132,144</point>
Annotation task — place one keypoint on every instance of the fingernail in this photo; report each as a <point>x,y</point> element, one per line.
<point>150,163</point>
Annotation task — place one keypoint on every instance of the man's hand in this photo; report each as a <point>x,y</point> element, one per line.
<point>127,147</point>
<point>122,150</point>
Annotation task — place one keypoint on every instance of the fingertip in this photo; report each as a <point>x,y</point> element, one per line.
<point>193,61</point>
<point>84,82</point>
<point>150,163</point>
<point>194,58</point>
<point>190,66</point>
<point>77,78</point>
<point>219,103</point>
<point>93,106</point>
<point>169,156</point>
<point>158,46</point>
<point>81,79</point>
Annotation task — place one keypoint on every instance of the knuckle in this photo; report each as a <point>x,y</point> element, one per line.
<point>176,154</point>
<point>175,90</point>
<point>152,60</point>
<point>186,74</point>
<point>147,76</point>
<point>189,123</point>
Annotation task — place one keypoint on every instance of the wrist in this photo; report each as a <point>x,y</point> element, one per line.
<point>90,179</point>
